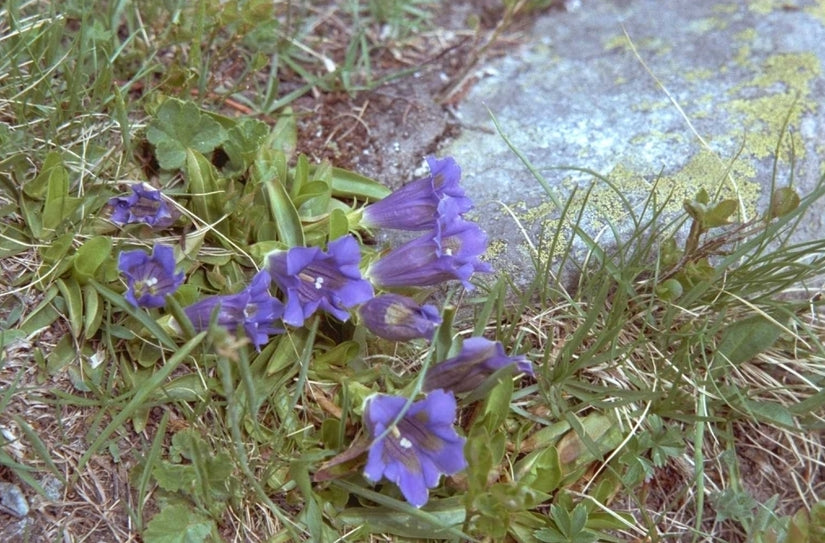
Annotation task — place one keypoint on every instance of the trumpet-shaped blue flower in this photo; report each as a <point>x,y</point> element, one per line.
<point>253,308</point>
<point>144,205</point>
<point>150,278</point>
<point>449,252</point>
<point>312,279</point>
<point>421,447</point>
<point>418,204</point>
<point>398,318</point>
<point>478,359</point>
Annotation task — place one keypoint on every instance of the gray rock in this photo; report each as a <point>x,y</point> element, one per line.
<point>578,93</point>
<point>12,500</point>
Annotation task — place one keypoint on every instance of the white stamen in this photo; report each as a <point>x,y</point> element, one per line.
<point>151,281</point>
<point>405,443</point>
<point>448,251</point>
<point>319,282</point>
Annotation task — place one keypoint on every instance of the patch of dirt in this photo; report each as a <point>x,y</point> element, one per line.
<point>386,132</point>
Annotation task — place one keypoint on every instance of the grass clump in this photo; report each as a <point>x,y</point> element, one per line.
<point>677,385</point>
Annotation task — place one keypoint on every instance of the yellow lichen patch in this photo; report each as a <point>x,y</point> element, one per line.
<point>747,35</point>
<point>540,211</point>
<point>796,70</point>
<point>617,42</point>
<point>764,121</point>
<point>763,7</point>
<point>651,45</point>
<point>725,9</point>
<point>495,249</point>
<point>699,74</point>
<point>787,77</point>
<point>708,24</point>
<point>743,56</point>
<point>705,170</point>
<point>651,105</point>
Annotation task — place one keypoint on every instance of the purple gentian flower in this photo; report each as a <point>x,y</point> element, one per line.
<point>479,358</point>
<point>311,279</point>
<point>145,205</point>
<point>418,204</point>
<point>150,278</point>
<point>253,308</point>
<point>398,318</point>
<point>449,252</point>
<point>419,449</point>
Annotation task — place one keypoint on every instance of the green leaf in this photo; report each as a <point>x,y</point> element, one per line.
<point>90,256</point>
<point>268,171</point>
<point>37,187</point>
<point>284,135</point>
<point>59,205</point>
<point>669,290</point>
<point>32,213</point>
<point>817,522</point>
<point>178,524</point>
<point>63,354</point>
<point>770,412</point>
<point>541,470</point>
<point>299,178</point>
<point>719,215</point>
<point>350,184</point>
<point>448,513</point>
<point>497,406</point>
<point>7,337</point>
<point>73,297</point>
<point>12,240</point>
<point>202,182</point>
<point>207,480</point>
<point>58,209</point>
<point>180,127</point>
<point>403,508</point>
<point>338,224</point>
<point>57,249</point>
<point>243,141</point>
<point>43,315</point>
<point>743,340</point>
<point>590,440</point>
<point>783,201</point>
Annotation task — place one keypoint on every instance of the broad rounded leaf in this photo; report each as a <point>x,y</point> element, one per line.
<point>783,201</point>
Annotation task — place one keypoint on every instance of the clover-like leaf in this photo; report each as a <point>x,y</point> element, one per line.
<point>180,126</point>
<point>243,141</point>
<point>178,524</point>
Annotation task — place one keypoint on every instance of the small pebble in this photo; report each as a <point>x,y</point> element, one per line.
<point>12,500</point>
